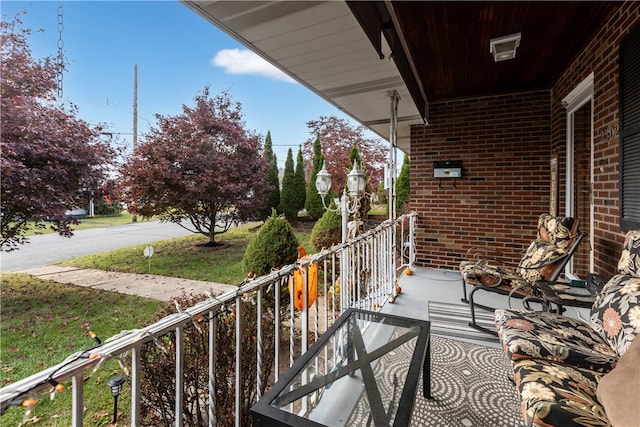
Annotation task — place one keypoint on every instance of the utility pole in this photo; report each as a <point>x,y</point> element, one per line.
<point>135,106</point>
<point>134,218</point>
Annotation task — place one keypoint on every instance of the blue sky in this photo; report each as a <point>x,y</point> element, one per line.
<point>177,54</point>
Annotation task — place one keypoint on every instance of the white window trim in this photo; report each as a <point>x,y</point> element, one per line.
<point>575,100</point>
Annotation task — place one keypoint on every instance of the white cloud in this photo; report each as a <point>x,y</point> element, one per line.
<point>236,61</point>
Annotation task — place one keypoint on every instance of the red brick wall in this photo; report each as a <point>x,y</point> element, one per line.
<point>504,144</point>
<point>601,58</point>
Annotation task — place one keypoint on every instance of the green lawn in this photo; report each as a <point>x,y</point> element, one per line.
<point>379,209</point>
<point>186,257</point>
<point>108,221</point>
<point>43,322</point>
<point>95,222</point>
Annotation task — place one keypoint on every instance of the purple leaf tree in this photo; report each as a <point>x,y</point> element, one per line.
<point>51,161</point>
<point>338,137</point>
<point>200,169</point>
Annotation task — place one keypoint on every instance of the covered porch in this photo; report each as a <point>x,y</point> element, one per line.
<point>524,98</point>
<point>421,75</point>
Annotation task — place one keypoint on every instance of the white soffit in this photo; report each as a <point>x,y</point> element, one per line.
<point>321,45</point>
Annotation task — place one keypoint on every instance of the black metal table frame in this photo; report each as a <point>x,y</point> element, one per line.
<point>551,295</point>
<point>266,414</point>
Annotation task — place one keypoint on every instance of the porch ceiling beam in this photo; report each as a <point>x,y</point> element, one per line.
<point>377,19</point>
<point>386,120</point>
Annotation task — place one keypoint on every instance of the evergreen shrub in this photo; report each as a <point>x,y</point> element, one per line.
<point>273,246</point>
<point>327,231</point>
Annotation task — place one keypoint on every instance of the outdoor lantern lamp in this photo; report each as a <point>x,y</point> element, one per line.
<point>323,182</point>
<point>115,384</point>
<point>355,183</point>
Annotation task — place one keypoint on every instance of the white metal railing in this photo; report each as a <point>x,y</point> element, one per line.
<point>372,264</point>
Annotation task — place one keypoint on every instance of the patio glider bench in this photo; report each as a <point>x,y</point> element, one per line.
<point>572,373</point>
<point>556,241</point>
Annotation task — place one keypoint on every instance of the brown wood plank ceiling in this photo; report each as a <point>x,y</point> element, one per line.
<point>449,43</point>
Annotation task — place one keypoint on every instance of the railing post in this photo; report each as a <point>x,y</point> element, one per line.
<point>77,399</point>
<point>238,385</point>
<point>278,286</point>
<point>412,246</point>
<point>259,345</point>
<point>179,375</point>
<point>136,368</point>
<point>304,314</point>
<point>212,368</point>
<point>345,299</point>
<point>304,339</point>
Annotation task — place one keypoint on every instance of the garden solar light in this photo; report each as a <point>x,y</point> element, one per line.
<point>95,337</point>
<point>115,384</point>
<point>26,403</point>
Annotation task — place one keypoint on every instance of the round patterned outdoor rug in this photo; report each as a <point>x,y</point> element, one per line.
<point>469,385</point>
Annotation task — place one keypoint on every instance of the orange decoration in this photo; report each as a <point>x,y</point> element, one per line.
<point>312,286</point>
<point>28,402</point>
<point>301,252</point>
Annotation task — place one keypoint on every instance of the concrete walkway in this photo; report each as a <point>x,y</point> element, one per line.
<point>145,285</point>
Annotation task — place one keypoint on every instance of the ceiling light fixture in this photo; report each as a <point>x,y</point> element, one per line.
<point>503,48</point>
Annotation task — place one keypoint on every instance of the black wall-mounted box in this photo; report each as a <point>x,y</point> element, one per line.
<point>447,169</point>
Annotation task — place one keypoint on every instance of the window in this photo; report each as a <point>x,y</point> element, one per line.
<point>630,131</point>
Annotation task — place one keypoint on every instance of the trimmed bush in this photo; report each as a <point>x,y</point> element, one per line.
<point>382,197</point>
<point>273,246</point>
<point>313,201</point>
<point>403,185</point>
<point>327,231</point>
<point>273,199</point>
<point>288,194</point>
<point>107,209</point>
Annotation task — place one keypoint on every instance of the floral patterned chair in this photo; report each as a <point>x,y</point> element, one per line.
<point>570,373</point>
<point>556,241</point>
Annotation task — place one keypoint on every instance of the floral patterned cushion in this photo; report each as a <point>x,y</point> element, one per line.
<point>541,335</point>
<point>555,394</point>
<point>630,260</point>
<point>554,238</point>
<point>615,314</point>
<point>495,277</point>
<point>539,254</point>
<point>486,274</point>
<point>559,231</point>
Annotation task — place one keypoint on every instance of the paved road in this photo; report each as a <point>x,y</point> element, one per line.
<point>49,248</point>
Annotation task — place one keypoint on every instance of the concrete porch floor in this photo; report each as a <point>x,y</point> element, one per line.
<point>439,285</point>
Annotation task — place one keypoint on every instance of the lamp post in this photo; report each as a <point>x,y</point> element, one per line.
<point>115,384</point>
<point>355,183</point>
